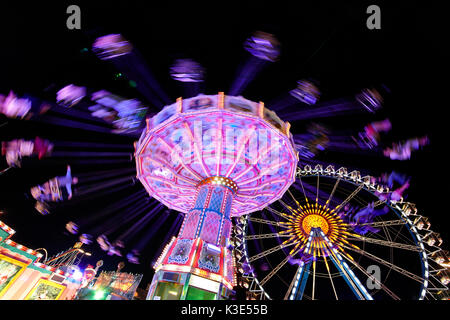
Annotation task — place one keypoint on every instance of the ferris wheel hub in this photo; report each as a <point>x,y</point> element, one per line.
<point>315,221</point>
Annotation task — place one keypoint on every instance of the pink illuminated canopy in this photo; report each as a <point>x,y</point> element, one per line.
<point>216,136</point>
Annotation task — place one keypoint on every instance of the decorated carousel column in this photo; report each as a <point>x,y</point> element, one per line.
<point>199,256</point>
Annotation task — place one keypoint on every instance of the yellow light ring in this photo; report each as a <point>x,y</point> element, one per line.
<point>315,221</point>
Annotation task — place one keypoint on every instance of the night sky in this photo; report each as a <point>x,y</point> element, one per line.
<point>328,42</point>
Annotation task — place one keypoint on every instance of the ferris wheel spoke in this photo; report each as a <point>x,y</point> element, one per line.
<point>280,214</point>
<point>314,278</point>
<point>325,251</point>
<point>332,192</point>
<point>317,196</point>
<point>399,236</point>
<point>273,223</point>
<point>303,189</point>
<point>266,236</point>
<point>350,197</point>
<point>276,269</point>
<point>269,251</point>
<point>293,198</point>
<point>382,286</point>
<point>329,275</point>
<point>386,243</point>
<point>387,264</point>
<point>289,290</point>
<point>385,223</point>
<point>378,203</point>
<point>352,280</point>
<point>394,234</point>
<point>290,209</point>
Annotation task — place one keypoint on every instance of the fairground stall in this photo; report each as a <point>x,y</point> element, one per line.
<point>23,277</point>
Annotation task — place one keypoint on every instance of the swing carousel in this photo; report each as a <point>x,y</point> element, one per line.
<point>212,158</point>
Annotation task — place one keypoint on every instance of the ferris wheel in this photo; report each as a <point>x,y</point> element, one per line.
<point>330,237</point>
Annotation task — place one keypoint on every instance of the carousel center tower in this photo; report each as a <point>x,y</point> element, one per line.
<point>211,157</point>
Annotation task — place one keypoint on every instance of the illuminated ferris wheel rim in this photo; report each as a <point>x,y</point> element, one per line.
<point>404,210</point>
